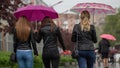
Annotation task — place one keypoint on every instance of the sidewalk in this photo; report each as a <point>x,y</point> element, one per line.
<point>114,65</point>
<point>111,65</point>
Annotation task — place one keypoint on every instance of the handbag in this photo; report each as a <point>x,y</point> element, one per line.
<point>75,52</point>
<point>13,57</point>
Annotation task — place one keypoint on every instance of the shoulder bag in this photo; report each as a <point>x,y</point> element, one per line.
<point>75,52</point>
<point>13,57</point>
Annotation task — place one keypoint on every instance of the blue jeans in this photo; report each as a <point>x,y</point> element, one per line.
<point>86,59</point>
<point>24,58</point>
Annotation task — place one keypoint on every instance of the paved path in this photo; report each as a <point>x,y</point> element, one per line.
<point>111,65</point>
<point>114,65</point>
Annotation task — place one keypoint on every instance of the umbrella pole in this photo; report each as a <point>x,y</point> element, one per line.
<point>36,25</point>
<point>93,16</point>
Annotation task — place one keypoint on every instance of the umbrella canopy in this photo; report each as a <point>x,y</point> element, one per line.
<point>108,36</point>
<point>35,12</point>
<point>94,8</point>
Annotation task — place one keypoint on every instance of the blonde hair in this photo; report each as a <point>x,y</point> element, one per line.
<point>22,27</point>
<point>85,21</point>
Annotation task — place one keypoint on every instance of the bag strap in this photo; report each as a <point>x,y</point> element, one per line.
<point>76,47</point>
<point>76,44</point>
<point>79,29</point>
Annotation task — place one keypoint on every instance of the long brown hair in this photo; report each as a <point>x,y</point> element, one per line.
<point>23,28</point>
<point>85,21</point>
<point>48,20</point>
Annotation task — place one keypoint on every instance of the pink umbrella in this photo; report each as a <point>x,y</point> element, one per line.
<point>93,8</point>
<point>108,36</point>
<point>35,12</point>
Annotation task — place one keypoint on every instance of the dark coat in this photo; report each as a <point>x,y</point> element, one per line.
<point>24,45</point>
<point>104,46</point>
<point>85,39</point>
<point>50,40</point>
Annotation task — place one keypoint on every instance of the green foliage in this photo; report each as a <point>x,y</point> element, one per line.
<point>5,62</point>
<point>38,62</point>
<point>4,59</point>
<point>112,26</point>
<point>67,58</point>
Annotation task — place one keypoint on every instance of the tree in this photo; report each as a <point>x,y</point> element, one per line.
<point>67,39</point>
<point>112,26</point>
<point>7,7</point>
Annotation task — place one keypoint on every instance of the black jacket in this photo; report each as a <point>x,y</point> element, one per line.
<point>104,46</point>
<point>85,39</point>
<point>50,38</point>
<point>24,45</point>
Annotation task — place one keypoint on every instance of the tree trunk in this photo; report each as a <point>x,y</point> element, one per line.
<point>3,41</point>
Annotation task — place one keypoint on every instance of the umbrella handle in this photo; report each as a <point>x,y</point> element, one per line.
<point>36,25</point>
<point>93,15</point>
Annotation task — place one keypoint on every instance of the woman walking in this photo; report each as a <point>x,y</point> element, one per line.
<point>104,51</point>
<point>50,33</point>
<point>85,35</point>
<point>23,37</point>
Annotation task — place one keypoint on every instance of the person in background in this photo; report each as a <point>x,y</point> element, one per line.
<point>22,39</point>
<point>85,35</point>
<point>104,51</point>
<point>50,34</point>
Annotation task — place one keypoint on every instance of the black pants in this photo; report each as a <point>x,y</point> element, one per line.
<point>48,62</point>
<point>50,58</point>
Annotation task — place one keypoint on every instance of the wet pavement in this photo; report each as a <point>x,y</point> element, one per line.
<point>111,65</point>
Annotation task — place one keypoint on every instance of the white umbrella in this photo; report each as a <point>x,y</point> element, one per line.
<point>94,8</point>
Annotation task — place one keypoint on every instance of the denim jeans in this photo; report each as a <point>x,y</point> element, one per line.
<point>24,58</point>
<point>86,59</point>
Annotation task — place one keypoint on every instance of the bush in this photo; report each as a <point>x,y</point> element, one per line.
<point>38,62</point>
<point>4,59</point>
<point>66,59</point>
<point>5,62</point>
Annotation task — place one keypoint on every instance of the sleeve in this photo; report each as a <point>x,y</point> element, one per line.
<point>108,44</point>
<point>74,34</point>
<point>94,37</point>
<point>60,39</point>
<point>38,36</point>
<point>34,44</point>
<point>99,47</point>
<point>14,42</point>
